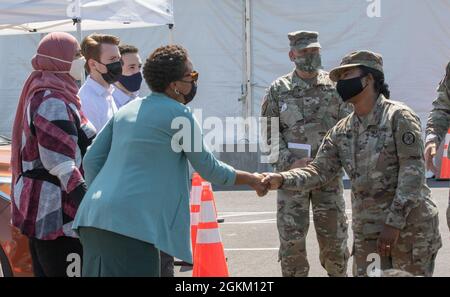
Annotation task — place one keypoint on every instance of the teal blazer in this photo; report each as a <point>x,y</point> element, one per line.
<point>138,178</point>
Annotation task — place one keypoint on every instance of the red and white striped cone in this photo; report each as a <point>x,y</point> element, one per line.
<point>195,202</point>
<point>209,255</point>
<point>445,161</point>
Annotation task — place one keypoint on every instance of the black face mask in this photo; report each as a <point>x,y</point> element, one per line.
<point>114,72</point>
<point>190,96</point>
<point>349,88</point>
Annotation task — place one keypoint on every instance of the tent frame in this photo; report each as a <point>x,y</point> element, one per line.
<point>247,85</point>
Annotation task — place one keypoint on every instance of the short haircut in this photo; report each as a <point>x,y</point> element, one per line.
<point>91,46</point>
<point>128,49</point>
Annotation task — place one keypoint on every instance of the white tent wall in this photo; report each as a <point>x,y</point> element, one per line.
<point>212,31</point>
<point>15,56</point>
<point>412,35</point>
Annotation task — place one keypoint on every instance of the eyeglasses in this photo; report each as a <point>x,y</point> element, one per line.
<point>193,75</point>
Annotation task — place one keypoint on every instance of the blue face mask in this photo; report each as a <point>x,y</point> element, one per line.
<point>132,82</point>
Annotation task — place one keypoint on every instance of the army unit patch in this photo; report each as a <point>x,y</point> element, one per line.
<point>408,138</point>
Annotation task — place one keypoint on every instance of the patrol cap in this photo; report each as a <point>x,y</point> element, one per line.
<point>303,39</point>
<point>358,58</point>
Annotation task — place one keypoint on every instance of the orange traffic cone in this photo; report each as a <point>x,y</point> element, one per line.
<point>209,256</point>
<point>445,161</point>
<point>195,200</point>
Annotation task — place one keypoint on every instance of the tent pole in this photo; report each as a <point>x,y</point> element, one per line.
<point>244,62</point>
<point>79,33</point>
<point>248,47</point>
<point>80,38</point>
<point>170,33</point>
<point>248,104</point>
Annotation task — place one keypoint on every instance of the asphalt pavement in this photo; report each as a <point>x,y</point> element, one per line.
<point>250,236</point>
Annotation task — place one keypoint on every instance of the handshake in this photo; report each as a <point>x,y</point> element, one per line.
<point>263,182</point>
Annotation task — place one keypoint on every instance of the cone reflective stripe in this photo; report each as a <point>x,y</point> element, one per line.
<point>209,255</point>
<point>209,215</point>
<point>195,200</point>
<point>445,162</point>
<point>206,236</point>
<point>208,184</point>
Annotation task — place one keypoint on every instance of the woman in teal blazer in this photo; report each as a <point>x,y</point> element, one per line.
<point>137,201</point>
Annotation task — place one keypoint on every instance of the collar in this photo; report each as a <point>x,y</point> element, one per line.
<point>98,88</point>
<point>123,98</point>
<point>164,96</point>
<point>320,79</point>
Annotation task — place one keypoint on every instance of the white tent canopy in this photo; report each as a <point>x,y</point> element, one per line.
<point>18,16</point>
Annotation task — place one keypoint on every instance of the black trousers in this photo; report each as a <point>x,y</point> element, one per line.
<point>51,258</point>
<point>167,265</point>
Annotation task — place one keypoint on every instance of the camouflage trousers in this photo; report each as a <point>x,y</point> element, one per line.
<point>415,251</point>
<point>330,221</point>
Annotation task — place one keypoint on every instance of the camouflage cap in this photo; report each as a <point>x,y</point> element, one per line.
<point>303,39</point>
<point>359,58</point>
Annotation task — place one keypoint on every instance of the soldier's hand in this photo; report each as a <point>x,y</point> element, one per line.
<point>253,180</point>
<point>301,163</point>
<point>272,181</point>
<point>430,152</point>
<point>387,240</point>
<point>257,184</point>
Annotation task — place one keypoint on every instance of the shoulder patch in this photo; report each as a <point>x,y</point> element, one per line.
<point>408,138</point>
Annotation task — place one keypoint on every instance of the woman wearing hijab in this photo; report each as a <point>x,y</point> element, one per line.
<point>50,137</point>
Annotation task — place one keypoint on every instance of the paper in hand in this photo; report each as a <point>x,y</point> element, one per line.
<point>300,150</point>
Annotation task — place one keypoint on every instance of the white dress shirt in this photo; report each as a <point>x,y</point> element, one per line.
<point>121,98</point>
<point>97,103</point>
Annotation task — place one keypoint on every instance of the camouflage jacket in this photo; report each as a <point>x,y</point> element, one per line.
<point>383,155</point>
<point>305,113</point>
<point>439,118</point>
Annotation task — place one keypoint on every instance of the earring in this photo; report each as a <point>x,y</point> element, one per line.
<point>177,92</point>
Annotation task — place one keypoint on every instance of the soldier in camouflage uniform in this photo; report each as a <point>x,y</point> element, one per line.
<point>438,125</point>
<point>380,146</point>
<point>307,105</point>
